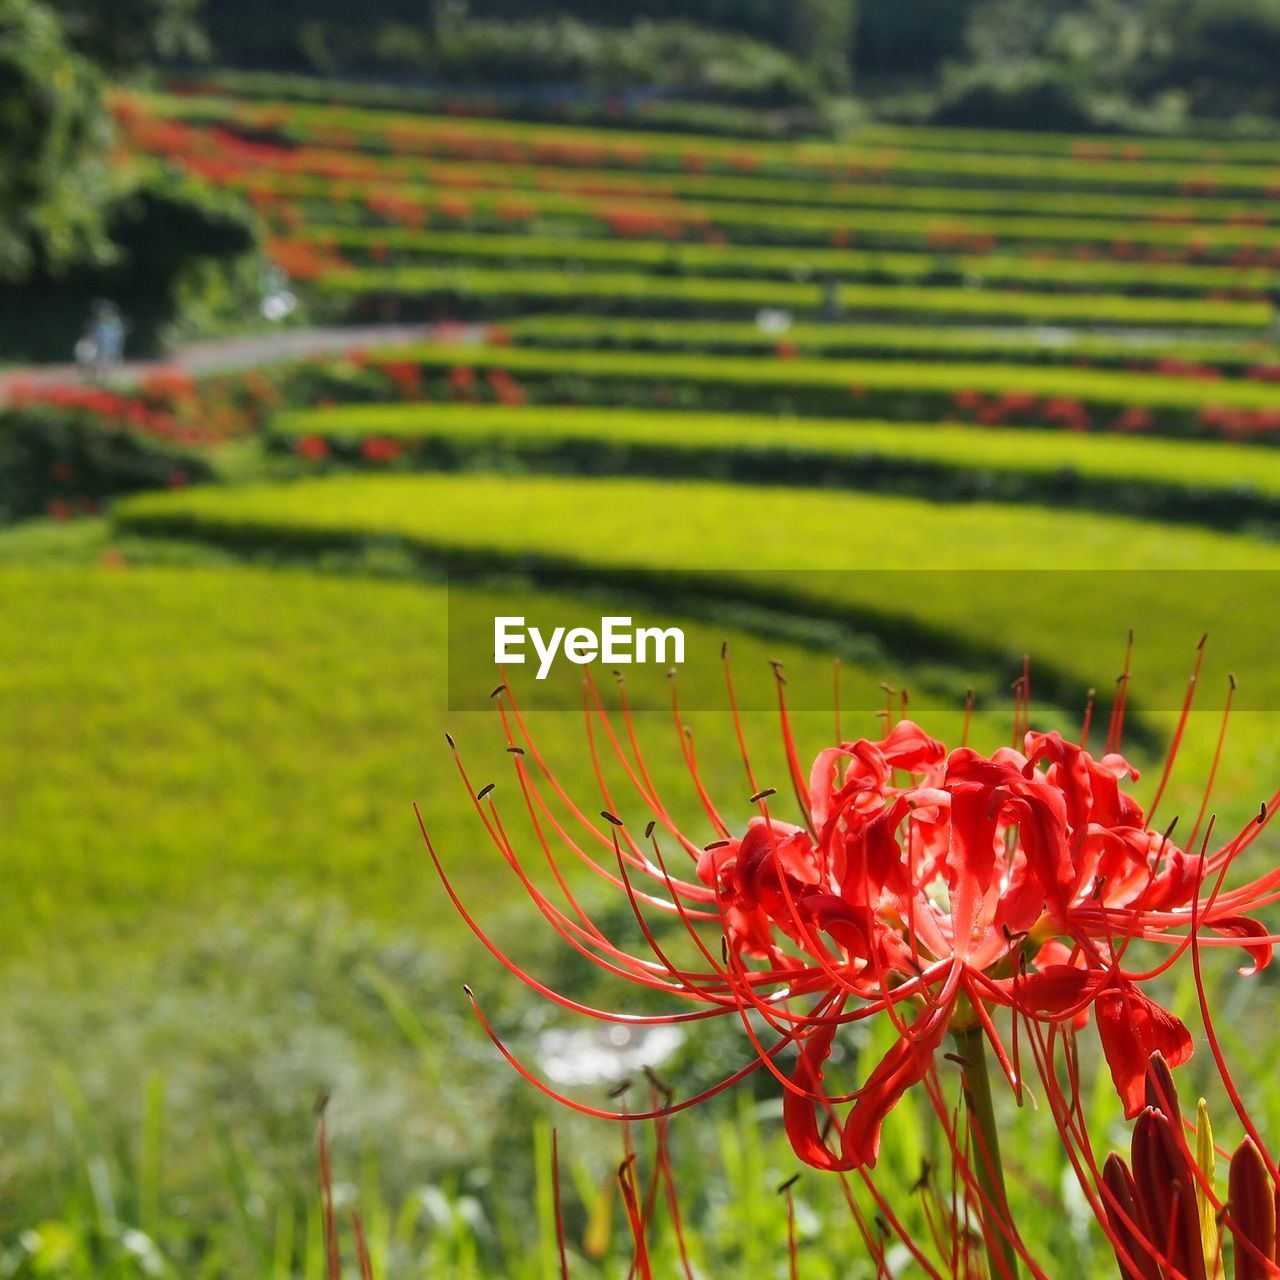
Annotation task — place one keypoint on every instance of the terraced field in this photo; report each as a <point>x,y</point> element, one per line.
<point>922,401</point>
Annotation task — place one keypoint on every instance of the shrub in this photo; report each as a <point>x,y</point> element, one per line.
<point>64,462</point>
<point>1034,98</point>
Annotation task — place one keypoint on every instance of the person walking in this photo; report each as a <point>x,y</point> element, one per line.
<point>101,346</point>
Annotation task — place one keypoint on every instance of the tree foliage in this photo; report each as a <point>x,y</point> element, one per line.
<point>53,142</point>
<point>123,35</point>
<point>821,37</point>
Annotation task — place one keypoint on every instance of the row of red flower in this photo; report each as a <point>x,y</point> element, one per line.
<point>226,159</point>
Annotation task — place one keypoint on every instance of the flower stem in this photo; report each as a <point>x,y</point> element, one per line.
<point>1002,1257</point>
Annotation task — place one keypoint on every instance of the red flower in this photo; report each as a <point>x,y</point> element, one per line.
<point>1161,1210</point>
<point>1135,418</point>
<point>462,378</point>
<point>380,449</point>
<point>404,375</point>
<point>313,448</point>
<point>950,883</point>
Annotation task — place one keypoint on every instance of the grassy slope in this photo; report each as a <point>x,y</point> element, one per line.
<point>636,521</point>
<point>777,223</point>
<point>1104,386</point>
<point>181,733</point>
<point>938,342</point>
<point>835,192</point>
<point>371,127</point>
<point>1181,463</point>
<point>604,287</point>
<point>216,894</point>
<point>773,260</point>
<point>758,543</point>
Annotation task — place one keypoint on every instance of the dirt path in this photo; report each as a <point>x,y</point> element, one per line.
<point>229,354</point>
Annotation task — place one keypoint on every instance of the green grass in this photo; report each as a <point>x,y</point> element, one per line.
<point>851,338</point>
<point>1205,149</point>
<point>242,730</point>
<point>657,293</point>
<point>1093,386</point>
<point>771,261</point>
<point>836,192</point>
<point>178,731</point>
<point>767,546</point>
<point>666,440</point>
<point>882,532</point>
<point>218,906</point>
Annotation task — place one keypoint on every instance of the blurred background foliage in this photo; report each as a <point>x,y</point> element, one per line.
<point>74,226</point>
<point>53,130</point>
<point>807,66</point>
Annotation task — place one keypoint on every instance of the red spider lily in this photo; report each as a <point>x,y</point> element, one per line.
<point>1063,411</point>
<point>167,386</point>
<point>328,1210</point>
<point>931,887</point>
<point>1162,1211</point>
<point>1018,403</point>
<point>461,379</point>
<point>313,448</point>
<point>454,208</point>
<point>405,376</point>
<point>380,449</point>
<point>1135,418</point>
<point>110,411</point>
<point>303,260</point>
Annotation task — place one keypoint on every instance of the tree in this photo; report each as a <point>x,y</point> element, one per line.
<point>54,136</point>
<point>821,38</point>
<point>125,35</point>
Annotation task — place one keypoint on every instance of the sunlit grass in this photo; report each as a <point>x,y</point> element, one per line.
<point>1202,466</point>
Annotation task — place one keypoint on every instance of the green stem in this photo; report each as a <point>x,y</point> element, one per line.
<point>1002,1257</point>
